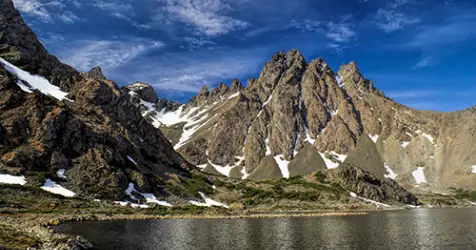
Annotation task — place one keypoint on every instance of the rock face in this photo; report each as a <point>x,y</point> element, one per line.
<point>366,185</point>
<point>98,137</point>
<point>334,117</point>
<point>95,72</point>
<point>143,90</point>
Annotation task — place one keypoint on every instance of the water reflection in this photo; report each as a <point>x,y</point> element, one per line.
<point>409,229</point>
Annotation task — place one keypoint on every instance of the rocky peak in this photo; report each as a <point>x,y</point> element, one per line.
<point>20,46</point>
<point>351,78</point>
<point>95,72</point>
<point>145,91</point>
<point>236,85</point>
<point>219,91</point>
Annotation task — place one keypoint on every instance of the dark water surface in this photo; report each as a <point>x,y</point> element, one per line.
<point>406,229</point>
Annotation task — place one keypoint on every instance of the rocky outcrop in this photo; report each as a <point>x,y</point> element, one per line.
<point>144,91</point>
<point>97,135</point>
<point>368,186</point>
<point>95,72</point>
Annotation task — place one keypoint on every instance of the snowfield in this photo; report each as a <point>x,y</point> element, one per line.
<point>329,163</point>
<point>283,165</point>
<point>208,202</point>
<point>52,187</point>
<point>419,175</point>
<point>10,179</point>
<point>36,82</point>
<point>369,200</point>
<point>391,175</point>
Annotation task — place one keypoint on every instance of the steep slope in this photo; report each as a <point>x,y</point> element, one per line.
<point>72,134</point>
<point>299,117</point>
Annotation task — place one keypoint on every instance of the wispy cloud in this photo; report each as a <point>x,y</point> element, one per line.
<point>424,62</point>
<point>68,17</point>
<point>393,17</point>
<point>340,32</point>
<point>194,43</point>
<point>391,20</point>
<point>410,94</point>
<point>188,72</point>
<point>207,17</point>
<point>114,6</point>
<point>34,8</point>
<point>305,25</point>
<point>109,54</point>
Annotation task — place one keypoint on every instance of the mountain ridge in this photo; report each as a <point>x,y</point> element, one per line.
<point>332,112</point>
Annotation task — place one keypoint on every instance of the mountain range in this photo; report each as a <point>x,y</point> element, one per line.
<point>298,117</point>
<point>80,134</point>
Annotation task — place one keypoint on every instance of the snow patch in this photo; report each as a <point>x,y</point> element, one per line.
<point>374,138</point>
<point>52,187</point>
<point>150,198</point>
<point>405,144</point>
<point>338,79</point>
<point>378,204</point>
<point>328,161</point>
<point>60,173</point>
<point>208,202</point>
<point>35,82</point>
<point>267,101</point>
<point>429,137</point>
<point>268,150</point>
<point>245,174</point>
<point>473,169</point>
<point>283,165</point>
<point>222,170</point>
<point>234,95</point>
<point>308,136</point>
<point>419,175</point>
<point>134,205</point>
<point>11,179</point>
<point>391,175</point>
<point>132,160</point>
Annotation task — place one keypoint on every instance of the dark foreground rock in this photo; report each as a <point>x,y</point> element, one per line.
<point>368,186</point>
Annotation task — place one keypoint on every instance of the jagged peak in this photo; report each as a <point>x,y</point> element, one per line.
<point>203,91</point>
<point>236,85</point>
<point>95,72</point>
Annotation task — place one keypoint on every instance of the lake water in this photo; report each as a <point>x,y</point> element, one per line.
<point>406,229</point>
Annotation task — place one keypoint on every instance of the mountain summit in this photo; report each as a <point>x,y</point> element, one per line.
<point>299,117</point>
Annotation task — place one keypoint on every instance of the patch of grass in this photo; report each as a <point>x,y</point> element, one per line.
<point>462,194</point>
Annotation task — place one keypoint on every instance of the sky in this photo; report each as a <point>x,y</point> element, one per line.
<point>419,52</point>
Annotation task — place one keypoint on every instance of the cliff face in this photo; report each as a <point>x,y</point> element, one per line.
<point>299,117</point>
<point>78,130</point>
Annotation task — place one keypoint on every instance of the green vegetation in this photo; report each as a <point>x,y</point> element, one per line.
<point>188,186</point>
<point>462,194</point>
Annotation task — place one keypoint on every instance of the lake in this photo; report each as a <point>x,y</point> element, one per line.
<point>404,229</point>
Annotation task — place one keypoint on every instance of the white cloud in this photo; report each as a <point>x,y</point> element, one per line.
<point>340,32</point>
<point>208,17</point>
<point>86,54</point>
<point>114,6</point>
<point>68,17</point>
<point>424,62</point>
<point>34,8</point>
<point>391,20</point>
<point>410,94</point>
<point>305,25</point>
<point>196,43</point>
<point>188,72</point>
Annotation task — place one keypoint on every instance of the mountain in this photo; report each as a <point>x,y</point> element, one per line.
<point>298,117</point>
<point>76,134</point>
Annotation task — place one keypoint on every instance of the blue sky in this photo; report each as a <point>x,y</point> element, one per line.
<point>419,52</point>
